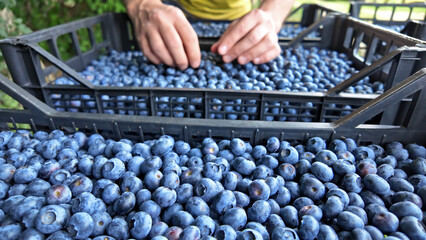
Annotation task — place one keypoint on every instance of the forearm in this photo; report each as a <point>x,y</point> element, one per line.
<point>279,10</point>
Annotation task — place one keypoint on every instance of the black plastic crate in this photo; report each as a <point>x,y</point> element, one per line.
<point>407,97</point>
<point>400,14</point>
<point>415,29</point>
<point>34,68</point>
<point>310,13</point>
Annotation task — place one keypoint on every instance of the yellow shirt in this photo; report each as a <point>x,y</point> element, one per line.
<point>217,9</point>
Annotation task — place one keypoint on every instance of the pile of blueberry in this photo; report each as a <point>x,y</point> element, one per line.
<point>296,70</point>
<point>216,29</point>
<point>57,186</point>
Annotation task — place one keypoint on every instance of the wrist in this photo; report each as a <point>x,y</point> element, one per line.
<point>135,6</point>
<point>278,10</point>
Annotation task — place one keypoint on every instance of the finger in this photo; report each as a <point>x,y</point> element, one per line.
<point>174,45</point>
<point>256,35</point>
<point>237,31</point>
<point>143,41</point>
<point>268,56</point>
<point>190,43</point>
<point>158,47</point>
<point>268,42</point>
<point>214,47</point>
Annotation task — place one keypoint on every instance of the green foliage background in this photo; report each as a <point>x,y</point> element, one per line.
<point>19,17</point>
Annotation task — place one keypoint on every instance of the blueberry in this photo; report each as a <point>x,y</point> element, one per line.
<point>31,234</point>
<point>288,155</point>
<point>213,171</point>
<point>311,210</point>
<point>259,211</point>
<point>413,228</point>
<point>197,207</point>
<point>293,189</point>
<point>11,231</point>
<point>85,202</point>
<point>6,172</point>
<point>374,232</point>
<point>58,194</point>
<point>140,225</point>
<point>315,145</point>
<point>125,203</point>
<point>308,228</point>
<point>59,176</point>
<point>349,221</point>
<point>80,225</point>
<point>173,233</point>
<point>151,163</point>
<point>169,212</point>
<point>205,224</point>
<point>153,179</point>
<point>385,221</point>
<point>242,200</point>
<point>287,171</point>
<point>326,156</point>
<point>259,190</point>
<point>113,169</point>
<point>80,185</point>
<point>415,151</point>
<point>50,219</point>
<point>326,232</point>
<point>225,232</point>
<point>190,232</point>
<point>352,182</point>
<point>182,219</point>
<point>158,229</point>
<point>259,152</point>
<point>181,147</point>
<point>284,232</point>
<point>191,175</point>
<point>333,207</point>
<point>406,208</point>
<point>98,166</point>
<point>273,144</point>
<point>359,233</point>
<point>249,234</point>
<point>359,212</point>
<point>322,171</point>
<point>150,207</point>
<point>376,184</point>
<point>101,221</point>
<point>355,200</point>
<point>130,183</point>
<point>362,152</point>
<point>230,180</point>
<point>312,188</point>
<point>206,189</point>
<point>235,217</point>
<point>111,193</point>
<point>118,229</point>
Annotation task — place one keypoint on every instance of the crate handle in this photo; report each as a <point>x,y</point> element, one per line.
<point>60,65</point>
<point>27,100</point>
<point>327,20</point>
<point>409,86</point>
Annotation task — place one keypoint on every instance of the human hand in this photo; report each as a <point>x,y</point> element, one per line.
<point>250,38</point>
<point>164,34</point>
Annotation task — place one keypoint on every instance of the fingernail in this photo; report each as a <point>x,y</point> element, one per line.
<point>227,58</point>
<point>195,64</point>
<point>182,66</point>
<point>222,50</point>
<point>243,60</point>
<point>256,61</point>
